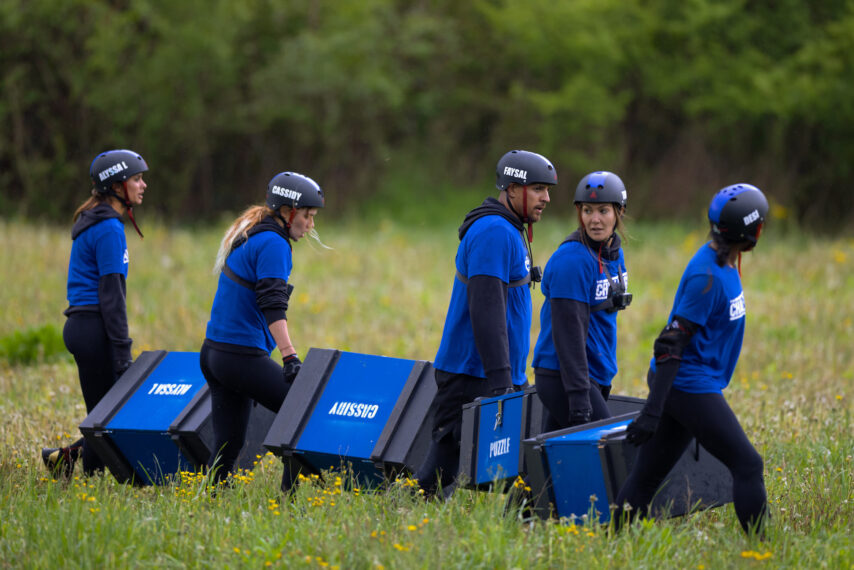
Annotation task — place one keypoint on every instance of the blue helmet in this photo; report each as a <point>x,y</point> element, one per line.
<point>295,191</point>
<point>115,166</point>
<point>601,187</point>
<point>523,167</point>
<point>737,213</point>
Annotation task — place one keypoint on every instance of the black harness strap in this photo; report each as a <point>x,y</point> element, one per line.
<point>609,302</point>
<point>518,283</point>
<point>266,225</point>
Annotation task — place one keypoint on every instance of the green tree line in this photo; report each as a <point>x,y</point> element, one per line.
<point>394,101</point>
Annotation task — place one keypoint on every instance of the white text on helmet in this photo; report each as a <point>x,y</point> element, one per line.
<point>107,172</point>
<point>751,217</point>
<point>516,173</point>
<point>286,192</point>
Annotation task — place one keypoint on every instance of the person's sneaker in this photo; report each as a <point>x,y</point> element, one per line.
<point>60,460</point>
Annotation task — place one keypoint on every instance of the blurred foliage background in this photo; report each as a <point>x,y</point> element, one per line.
<point>398,107</point>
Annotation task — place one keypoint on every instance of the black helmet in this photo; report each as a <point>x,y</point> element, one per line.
<point>737,213</point>
<point>523,167</point>
<point>293,190</point>
<point>115,166</point>
<point>599,187</point>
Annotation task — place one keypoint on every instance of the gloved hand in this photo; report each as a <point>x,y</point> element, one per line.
<point>121,366</point>
<point>290,368</point>
<point>578,417</point>
<point>502,391</point>
<point>605,391</point>
<point>641,429</point>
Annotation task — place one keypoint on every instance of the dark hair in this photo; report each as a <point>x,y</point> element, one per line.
<point>724,248</point>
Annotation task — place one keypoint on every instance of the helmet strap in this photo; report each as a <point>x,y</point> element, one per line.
<point>129,208</point>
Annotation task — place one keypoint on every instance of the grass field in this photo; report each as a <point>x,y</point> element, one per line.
<point>383,289</point>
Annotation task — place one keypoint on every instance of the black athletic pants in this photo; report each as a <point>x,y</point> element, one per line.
<point>442,463</point>
<point>709,418</point>
<point>235,380</point>
<point>551,392</point>
<point>86,339</point>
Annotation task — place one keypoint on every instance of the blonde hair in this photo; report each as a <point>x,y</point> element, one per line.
<point>239,229</point>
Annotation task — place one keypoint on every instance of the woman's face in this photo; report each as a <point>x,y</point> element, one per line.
<point>598,219</point>
<point>135,189</point>
<point>302,222</point>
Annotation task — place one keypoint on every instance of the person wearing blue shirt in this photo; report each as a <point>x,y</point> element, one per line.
<point>486,337</point>
<point>694,358</point>
<point>584,284</point>
<point>96,327</point>
<point>249,314</point>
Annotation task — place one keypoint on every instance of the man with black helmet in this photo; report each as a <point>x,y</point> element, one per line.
<point>486,338</point>
<point>584,285</point>
<point>249,314</point>
<point>96,329</point>
<point>694,358</point>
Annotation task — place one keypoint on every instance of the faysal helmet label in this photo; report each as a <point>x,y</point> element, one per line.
<point>286,192</point>
<point>354,409</point>
<point>114,169</point>
<point>515,172</point>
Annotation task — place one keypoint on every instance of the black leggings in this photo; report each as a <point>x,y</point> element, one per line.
<point>234,381</point>
<point>553,396</point>
<point>442,463</point>
<point>709,418</point>
<point>86,339</point>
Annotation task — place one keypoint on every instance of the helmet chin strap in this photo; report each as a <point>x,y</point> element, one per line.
<point>129,208</point>
<point>290,217</point>
<point>524,216</point>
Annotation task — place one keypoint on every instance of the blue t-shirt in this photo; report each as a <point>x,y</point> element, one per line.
<point>573,273</point>
<point>492,247</point>
<point>235,316</point>
<point>712,297</point>
<point>100,250</point>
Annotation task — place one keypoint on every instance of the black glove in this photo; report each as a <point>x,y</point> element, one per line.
<point>605,391</point>
<point>641,429</point>
<point>290,368</point>
<point>121,366</point>
<point>502,391</point>
<point>578,417</point>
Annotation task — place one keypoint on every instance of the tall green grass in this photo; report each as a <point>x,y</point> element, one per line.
<point>384,289</point>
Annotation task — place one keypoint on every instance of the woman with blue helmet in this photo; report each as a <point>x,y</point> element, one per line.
<point>96,328</point>
<point>584,285</point>
<point>694,358</point>
<point>248,317</point>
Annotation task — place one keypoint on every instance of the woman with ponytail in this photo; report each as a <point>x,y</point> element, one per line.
<point>249,314</point>
<point>96,328</point>
<point>694,358</point>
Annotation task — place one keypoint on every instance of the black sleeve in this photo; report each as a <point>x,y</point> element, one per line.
<point>487,297</point>
<point>111,299</point>
<point>668,349</point>
<point>272,296</point>
<point>570,321</point>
